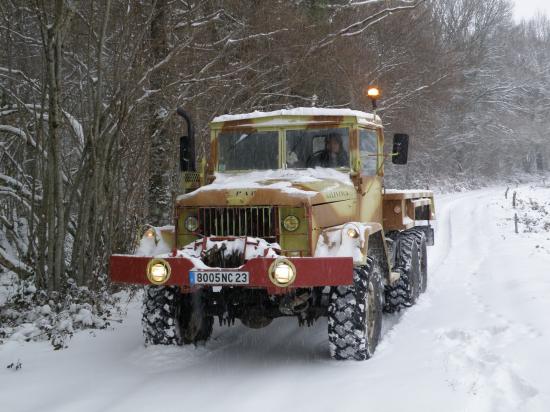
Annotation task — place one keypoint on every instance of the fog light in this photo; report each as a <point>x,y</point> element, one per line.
<point>282,272</point>
<point>353,233</point>
<point>150,233</point>
<point>158,271</point>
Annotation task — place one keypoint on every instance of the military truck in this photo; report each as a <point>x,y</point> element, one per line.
<point>290,217</point>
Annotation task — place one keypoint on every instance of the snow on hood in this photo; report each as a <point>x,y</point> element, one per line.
<point>289,181</point>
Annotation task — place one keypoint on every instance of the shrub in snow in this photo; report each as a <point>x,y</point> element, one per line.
<point>28,313</point>
<point>533,210</point>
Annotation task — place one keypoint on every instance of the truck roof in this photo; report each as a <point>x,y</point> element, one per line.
<point>296,116</point>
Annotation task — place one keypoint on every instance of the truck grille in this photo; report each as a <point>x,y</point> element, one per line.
<point>260,221</point>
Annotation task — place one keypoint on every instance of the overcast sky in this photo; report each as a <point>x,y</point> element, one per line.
<point>528,8</point>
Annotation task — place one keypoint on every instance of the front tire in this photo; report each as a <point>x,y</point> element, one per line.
<point>355,316</point>
<point>172,318</point>
<point>160,315</point>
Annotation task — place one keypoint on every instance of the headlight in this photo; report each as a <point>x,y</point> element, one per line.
<point>291,223</point>
<point>191,223</point>
<point>282,272</point>
<point>353,233</point>
<point>158,271</point>
<point>150,233</point>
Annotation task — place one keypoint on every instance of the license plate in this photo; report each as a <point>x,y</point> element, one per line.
<point>218,278</point>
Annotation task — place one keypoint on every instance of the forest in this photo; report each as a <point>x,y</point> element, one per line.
<point>89,135</point>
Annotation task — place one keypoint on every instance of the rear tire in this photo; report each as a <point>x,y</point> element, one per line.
<point>355,316</point>
<point>423,264</point>
<point>421,240</point>
<point>411,264</point>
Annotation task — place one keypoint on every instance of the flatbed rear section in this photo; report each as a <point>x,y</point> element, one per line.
<point>405,209</point>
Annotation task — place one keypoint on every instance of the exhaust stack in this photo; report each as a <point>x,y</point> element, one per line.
<point>187,144</point>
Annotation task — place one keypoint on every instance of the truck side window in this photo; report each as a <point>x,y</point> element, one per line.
<point>368,151</point>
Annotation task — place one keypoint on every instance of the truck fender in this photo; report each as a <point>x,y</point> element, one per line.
<point>348,240</point>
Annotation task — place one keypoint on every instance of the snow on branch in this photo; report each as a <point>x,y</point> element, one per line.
<point>255,36</point>
<point>76,127</point>
<point>351,4</point>
<point>12,183</point>
<point>17,132</point>
<point>362,25</point>
<point>15,265</point>
<point>396,100</point>
<point>20,73</point>
<point>215,16</point>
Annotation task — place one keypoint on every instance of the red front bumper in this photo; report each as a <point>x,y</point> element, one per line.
<point>310,272</point>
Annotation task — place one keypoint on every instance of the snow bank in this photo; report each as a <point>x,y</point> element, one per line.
<point>28,314</point>
<point>532,208</point>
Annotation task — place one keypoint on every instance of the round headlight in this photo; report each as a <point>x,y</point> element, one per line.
<point>291,223</point>
<point>353,233</point>
<point>150,233</point>
<point>191,223</point>
<point>158,271</point>
<point>282,272</point>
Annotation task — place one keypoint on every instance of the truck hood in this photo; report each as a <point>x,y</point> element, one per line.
<point>274,187</point>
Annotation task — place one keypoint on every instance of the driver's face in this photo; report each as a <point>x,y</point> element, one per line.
<point>333,146</point>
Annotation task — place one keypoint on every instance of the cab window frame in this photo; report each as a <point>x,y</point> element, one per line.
<point>379,169</point>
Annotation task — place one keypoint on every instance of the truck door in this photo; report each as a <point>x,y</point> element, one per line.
<point>371,175</point>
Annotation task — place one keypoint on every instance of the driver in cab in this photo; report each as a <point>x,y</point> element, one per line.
<point>334,155</point>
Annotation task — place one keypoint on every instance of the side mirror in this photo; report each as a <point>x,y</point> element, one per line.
<point>400,152</point>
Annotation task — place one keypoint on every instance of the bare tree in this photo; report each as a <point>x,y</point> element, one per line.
<point>88,92</point>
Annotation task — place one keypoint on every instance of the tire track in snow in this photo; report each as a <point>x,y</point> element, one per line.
<point>472,364</point>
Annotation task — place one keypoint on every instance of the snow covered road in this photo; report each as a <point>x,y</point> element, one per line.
<point>479,340</point>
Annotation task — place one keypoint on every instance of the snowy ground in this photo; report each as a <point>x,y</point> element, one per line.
<point>479,340</point>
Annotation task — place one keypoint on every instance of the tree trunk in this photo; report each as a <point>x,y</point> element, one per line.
<point>55,207</point>
<point>160,167</point>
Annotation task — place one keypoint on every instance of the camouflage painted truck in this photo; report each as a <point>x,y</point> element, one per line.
<point>290,217</point>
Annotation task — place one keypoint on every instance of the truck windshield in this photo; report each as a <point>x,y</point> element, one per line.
<point>248,151</point>
<point>317,148</point>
